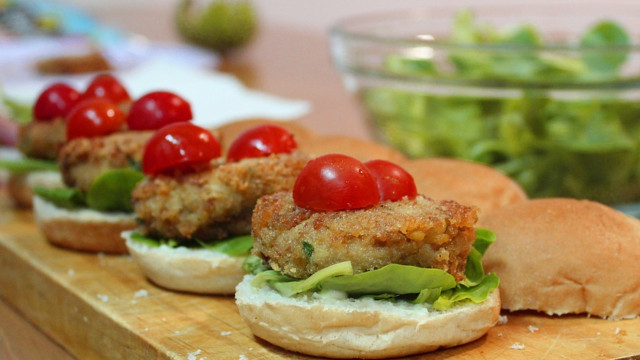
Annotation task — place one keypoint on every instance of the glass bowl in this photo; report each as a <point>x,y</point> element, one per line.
<point>551,97</point>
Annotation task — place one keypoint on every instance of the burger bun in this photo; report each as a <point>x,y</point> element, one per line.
<point>563,256</point>
<point>338,327</point>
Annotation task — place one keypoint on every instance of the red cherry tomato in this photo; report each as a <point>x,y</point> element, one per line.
<point>394,182</point>
<point>335,182</point>
<point>108,87</point>
<point>179,146</point>
<point>158,109</point>
<point>262,140</point>
<point>55,101</point>
<point>94,117</point>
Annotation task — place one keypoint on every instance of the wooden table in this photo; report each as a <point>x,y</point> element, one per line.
<point>285,63</point>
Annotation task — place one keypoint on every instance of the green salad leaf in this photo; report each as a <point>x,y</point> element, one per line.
<point>385,280</point>
<point>416,284</point>
<point>111,191</point>
<point>234,246</point>
<point>67,198</point>
<point>554,142</point>
<point>477,293</point>
<point>27,165</point>
<point>254,265</point>
<point>289,288</point>
<point>607,35</point>
<point>21,113</point>
<point>138,237</point>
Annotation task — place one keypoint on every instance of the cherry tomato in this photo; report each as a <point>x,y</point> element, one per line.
<point>394,182</point>
<point>55,101</point>
<point>335,182</point>
<point>179,146</point>
<point>262,140</point>
<point>157,109</point>
<point>94,117</point>
<point>108,87</point>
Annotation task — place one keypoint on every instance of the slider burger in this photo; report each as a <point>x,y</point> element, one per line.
<point>354,263</point>
<point>99,166</point>
<point>41,140</point>
<point>194,208</point>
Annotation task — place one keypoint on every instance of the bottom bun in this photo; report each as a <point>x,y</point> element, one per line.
<point>194,270</point>
<point>340,327</point>
<point>19,185</point>
<point>83,229</point>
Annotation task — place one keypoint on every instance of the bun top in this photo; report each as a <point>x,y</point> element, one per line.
<point>363,150</point>
<point>465,182</point>
<point>227,133</point>
<point>566,256</point>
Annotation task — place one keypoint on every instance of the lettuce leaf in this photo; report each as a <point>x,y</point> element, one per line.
<point>27,165</point>
<point>415,284</point>
<point>20,112</point>
<point>67,198</point>
<point>234,246</point>
<point>136,236</point>
<point>111,191</point>
<point>477,293</point>
<point>314,281</point>
<point>385,280</point>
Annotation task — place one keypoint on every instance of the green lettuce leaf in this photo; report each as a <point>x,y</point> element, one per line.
<point>269,277</point>
<point>234,246</point>
<point>474,272</point>
<point>385,280</point>
<point>20,113</point>
<point>312,282</point>
<point>254,265</point>
<point>27,165</point>
<point>111,191</point>
<point>605,34</point>
<point>67,198</point>
<point>153,242</point>
<point>418,285</point>
<point>477,293</point>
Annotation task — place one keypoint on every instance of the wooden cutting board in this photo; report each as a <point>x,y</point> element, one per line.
<point>101,307</point>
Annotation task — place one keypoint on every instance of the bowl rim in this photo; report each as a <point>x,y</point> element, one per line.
<point>340,29</point>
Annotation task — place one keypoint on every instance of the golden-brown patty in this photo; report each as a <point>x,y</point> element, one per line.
<point>82,160</point>
<point>419,232</point>
<point>214,203</point>
<point>42,139</point>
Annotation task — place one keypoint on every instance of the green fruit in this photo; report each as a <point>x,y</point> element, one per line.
<point>222,25</point>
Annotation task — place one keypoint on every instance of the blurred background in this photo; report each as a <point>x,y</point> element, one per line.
<point>554,119</point>
<point>309,15</point>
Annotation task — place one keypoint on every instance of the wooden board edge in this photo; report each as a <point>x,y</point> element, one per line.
<point>80,328</point>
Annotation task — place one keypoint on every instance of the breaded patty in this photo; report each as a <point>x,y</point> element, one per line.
<point>214,203</point>
<point>42,139</point>
<point>82,160</point>
<point>420,232</point>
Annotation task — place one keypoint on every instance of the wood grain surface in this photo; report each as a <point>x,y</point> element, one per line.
<point>101,307</point>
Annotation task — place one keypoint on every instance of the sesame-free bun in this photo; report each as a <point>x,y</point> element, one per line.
<point>564,256</point>
<point>465,182</point>
<point>229,132</point>
<point>337,327</point>
<point>201,270</point>
<point>363,150</point>
<point>83,229</point>
<point>19,185</point>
